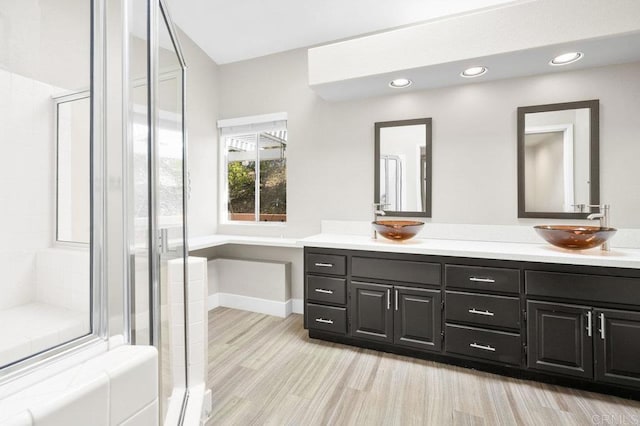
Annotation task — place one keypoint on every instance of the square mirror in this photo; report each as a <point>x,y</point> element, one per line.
<point>403,167</point>
<point>558,160</point>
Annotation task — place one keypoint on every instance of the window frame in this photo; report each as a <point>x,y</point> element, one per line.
<point>246,123</point>
<point>57,101</point>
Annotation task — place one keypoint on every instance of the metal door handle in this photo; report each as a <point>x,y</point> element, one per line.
<point>589,324</point>
<point>324,321</point>
<point>324,265</point>
<point>483,347</point>
<point>396,300</point>
<point>322,290</point>
<point>482,280</point>
<point>486,313</point>
<point>602,325</point>
<point>388,299</point>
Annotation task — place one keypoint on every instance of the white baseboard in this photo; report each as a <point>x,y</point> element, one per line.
<point>213,301</point>
<point>297,306</point>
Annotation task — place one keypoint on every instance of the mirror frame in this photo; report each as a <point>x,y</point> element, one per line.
<point>594,156</point>
<point>429,162</point>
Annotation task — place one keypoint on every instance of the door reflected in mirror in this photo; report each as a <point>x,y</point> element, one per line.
<point>558,160</point>
<point>403,167</point>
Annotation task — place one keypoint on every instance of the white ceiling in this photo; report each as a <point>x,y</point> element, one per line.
<point>235,30</point>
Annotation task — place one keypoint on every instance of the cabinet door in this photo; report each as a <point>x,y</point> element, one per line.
<point>560,338</point>
<point>417,318</point>
<point>617,341</point>
<point>370,311</point>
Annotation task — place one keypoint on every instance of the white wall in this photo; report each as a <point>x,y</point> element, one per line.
<point>26,191</point>
<point>202,133</point>
<point>330,153</point>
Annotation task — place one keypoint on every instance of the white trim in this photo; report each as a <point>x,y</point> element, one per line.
<point>254,304</point>
<point>213,301</point>
<point>297,305</point>
<point>252,119</point>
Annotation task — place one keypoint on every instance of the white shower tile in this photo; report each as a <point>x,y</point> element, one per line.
<point>196,290</point>
<point>88,403</point>
<point>196,311</point>
<point>135,384</point>
<point>148,416</point>
<point>22,419</point>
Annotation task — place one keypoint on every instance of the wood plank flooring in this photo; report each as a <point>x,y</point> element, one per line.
<point>266,370</point>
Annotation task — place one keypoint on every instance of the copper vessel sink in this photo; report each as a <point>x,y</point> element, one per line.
<point>397,230</point>
<point>575,237</point>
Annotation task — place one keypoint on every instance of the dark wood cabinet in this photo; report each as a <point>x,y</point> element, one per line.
<point>559,338</point>
<point>370,311</point>
<point>406,316</point>
<point>417,318</point>
<point>617,343</point>
<point>578,326</point>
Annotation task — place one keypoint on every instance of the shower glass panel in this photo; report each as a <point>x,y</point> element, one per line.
<point>45,294</point>
<point>155,171</point>
<point>170,157</point>
<point>137,174</point>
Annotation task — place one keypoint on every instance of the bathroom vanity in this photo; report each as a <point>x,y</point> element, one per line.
<point>522,310</point>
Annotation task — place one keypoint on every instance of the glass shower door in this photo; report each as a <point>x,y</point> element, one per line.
<point>157,228</point>
<point>170,213</point>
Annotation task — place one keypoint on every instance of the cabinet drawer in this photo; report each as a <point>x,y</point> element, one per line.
<point>326,264</point>
<point>481,278</point>
<point>327,318</point>
<point>396,270</point>
<point>596,288</point>
<point>478,343</point>
<point>481,309</point>
<point>327,289</point>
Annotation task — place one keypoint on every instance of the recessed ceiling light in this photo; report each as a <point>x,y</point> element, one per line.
<point>399,83</point>
<point>566,58</point>
<point>473,72</point>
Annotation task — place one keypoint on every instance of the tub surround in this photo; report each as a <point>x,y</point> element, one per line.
<point>119,387</point>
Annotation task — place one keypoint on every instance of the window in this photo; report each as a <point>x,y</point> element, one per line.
<point>72,113</point>
<point>255,168</point>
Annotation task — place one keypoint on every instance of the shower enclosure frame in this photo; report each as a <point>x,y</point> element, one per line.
<point>157,14</point>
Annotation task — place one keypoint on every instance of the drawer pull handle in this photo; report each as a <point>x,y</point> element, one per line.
<point>324,265</point>
<point>602,325</point>
<point>589,324</point>
<point>482,280</point>
<point>483,347</point>
<point>322,290</point>
<point>477,312</point>
<point>324,321</point>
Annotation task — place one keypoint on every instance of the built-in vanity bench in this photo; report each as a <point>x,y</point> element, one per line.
<point>260,284</point>
<point>523,310</point>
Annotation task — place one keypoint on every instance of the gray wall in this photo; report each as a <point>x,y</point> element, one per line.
<point>330,155</point>
<point>202,133</point>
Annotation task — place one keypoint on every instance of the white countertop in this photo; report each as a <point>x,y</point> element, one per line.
<point>197,243</point>
<point>526,252</point>
<point>617,257</point>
